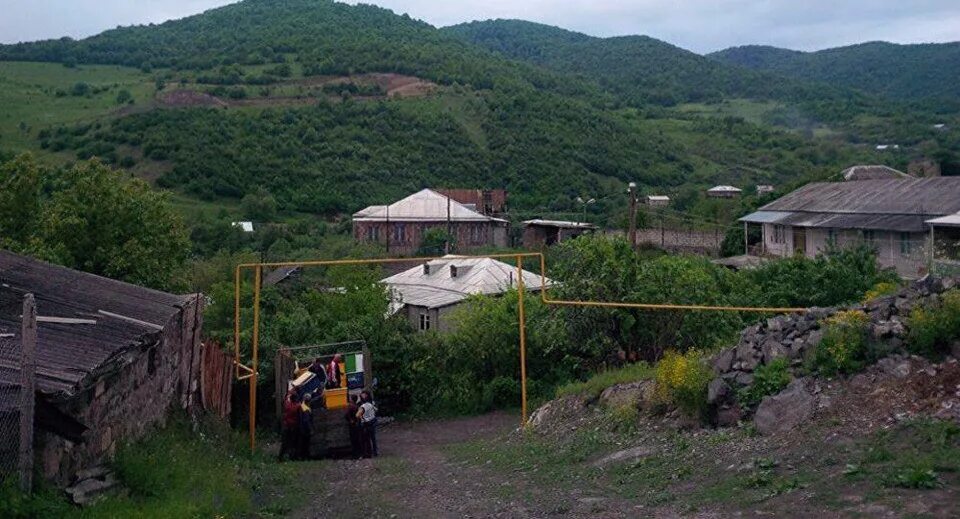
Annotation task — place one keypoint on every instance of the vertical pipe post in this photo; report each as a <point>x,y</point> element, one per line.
<point>746,239</point>
<point>632,228</point>
<point>236,322</point>
<point>254,346</point>
<point>523,343</point>
<point>28,368</point>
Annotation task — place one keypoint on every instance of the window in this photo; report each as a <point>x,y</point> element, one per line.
<point>399,233</point>
<point>906,245</point>
<point>476,234</point>
<point>778,234</point>
<point>869,235</point>
<point>831,236</point>
<point>424,321</point>
<point>373,233</point>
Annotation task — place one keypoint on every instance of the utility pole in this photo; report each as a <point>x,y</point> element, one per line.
<point>632,233</point>
<point>446,242</point>
<point>388,229</point>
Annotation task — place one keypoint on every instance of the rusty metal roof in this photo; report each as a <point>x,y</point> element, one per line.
<point>70,354</point>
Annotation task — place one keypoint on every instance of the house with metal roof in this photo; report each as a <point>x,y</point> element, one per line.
<point>112,360</point>
<point>893,215</point>
<point>871,172</point>
<point>427,294</point>
<point>402,226</point>
<point>538,233</point>
<point>724,192</point>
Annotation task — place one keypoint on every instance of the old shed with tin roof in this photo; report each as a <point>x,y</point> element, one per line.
<point>112,358</point>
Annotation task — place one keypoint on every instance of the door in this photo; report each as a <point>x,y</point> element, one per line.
<point>800,241</point>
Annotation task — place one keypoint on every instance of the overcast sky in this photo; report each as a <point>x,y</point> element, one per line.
<point>698,25</point>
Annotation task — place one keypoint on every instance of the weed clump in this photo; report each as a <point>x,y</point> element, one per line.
<point>768,379</point>
<point>933,328</point>
<point>845,345</point>
<point>682,381</point>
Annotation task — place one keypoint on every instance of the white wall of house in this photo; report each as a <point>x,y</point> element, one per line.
<point>903,251</point>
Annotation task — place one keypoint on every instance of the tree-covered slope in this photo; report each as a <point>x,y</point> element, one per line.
<point>637,68</point>
<point>326,37</point>
<point>907,72</point>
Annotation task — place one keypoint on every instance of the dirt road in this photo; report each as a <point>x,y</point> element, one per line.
<point>415,477</point>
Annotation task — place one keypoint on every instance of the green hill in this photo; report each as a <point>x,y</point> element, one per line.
<point>278,94</point>
<point>638,69</point>
<point>906,72</point>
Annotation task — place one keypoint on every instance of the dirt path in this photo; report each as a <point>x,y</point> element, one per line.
<point>415,477</point>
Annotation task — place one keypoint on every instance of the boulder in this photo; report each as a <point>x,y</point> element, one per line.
<point>717,391</point>
<point>724,360</point>
<point>629,394</point>
<point>773,350</point>
<point>631,454</point>
<point>785,410</point>
<point>729,416</point>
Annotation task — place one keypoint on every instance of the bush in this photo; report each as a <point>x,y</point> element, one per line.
<point>934,328</point>
<point>884,288</point>
<point>124,97</point>
<point>682,381</point>
<point>80,89</point>
<point>844,348</point>
<point>768,379</point>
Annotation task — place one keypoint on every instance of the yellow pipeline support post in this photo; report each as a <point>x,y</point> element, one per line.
<point>255,343</point>
<point>523,343</point>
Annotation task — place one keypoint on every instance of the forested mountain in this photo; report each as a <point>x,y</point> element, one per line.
<point>907,72</point>
<point>326,37</point>
<point>639,69</point>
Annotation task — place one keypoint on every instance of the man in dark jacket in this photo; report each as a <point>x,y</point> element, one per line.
<point>353,424</point>
<point>305,419</point>
<point>289,426</point>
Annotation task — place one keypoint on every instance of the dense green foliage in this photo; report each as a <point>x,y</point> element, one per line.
<point>92,218</point>
<point>846,346</point>
<point>896,71</point>
<point>935,328</point>
<point>638,69</point>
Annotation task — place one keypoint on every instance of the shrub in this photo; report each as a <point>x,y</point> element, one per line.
<point>933,328</point>
<point>768,379</point>
<point>682,381</point>
<point>844,347</point>
<point>884,288</point>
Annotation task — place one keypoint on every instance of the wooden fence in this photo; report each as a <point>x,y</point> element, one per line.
<point>216,378</point>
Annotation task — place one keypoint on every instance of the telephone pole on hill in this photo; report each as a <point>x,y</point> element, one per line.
<point>632,233</point>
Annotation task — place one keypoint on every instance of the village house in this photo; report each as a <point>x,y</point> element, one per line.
<point>893,215</point>
<point>657,200</point>
<point>112,361</point>
<point>871,172</point>
<point>426,295</point>
<point>724,192</point>
<point>543,233</point>
<point>402,225</point>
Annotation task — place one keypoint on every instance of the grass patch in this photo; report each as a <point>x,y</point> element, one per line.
<point>595,385</point>
<point>915,456</point>
<point>181,472</point>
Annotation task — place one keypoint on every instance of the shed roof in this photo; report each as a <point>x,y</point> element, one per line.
<point>423,206</point>
<point>560,223</point>
<point>126,317</point>
<point>438,287</point>
<point>951,220</point>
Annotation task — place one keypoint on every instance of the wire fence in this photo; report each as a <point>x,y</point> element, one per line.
<point>17,369</point>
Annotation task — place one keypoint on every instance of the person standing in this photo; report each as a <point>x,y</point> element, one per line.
<point>353,425</point>
<point>367,414</point>
<point>289,426</point>
<point>305,423</point>
<point>333,372</point>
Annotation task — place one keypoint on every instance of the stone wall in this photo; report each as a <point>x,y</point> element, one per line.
<point>794,336</point>
<point>121,406</point>
<point>682,240</point>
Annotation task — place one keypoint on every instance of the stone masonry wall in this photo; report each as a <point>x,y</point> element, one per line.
<point>794,336</point>
<point>124,405</point>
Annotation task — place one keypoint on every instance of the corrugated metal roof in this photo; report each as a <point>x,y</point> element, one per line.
<point>951,220</point>
<point>423,206</point>
<point>724,189</point>
<point>560,223</point>
<point>440,288</point>
<point>920,196</point>
<point>765,217</point>
<point>127,317</point>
